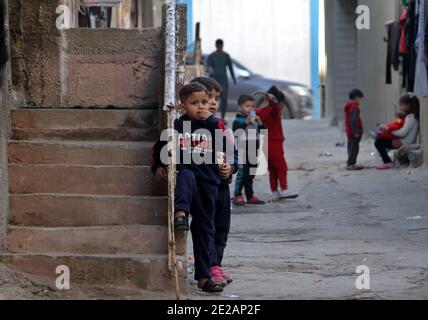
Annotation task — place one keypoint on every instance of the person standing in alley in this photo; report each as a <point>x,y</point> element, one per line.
<point>354,127</point>
<point>217,64</point>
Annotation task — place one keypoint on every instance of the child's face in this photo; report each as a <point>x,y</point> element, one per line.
<point>247,107</point>
<point>405,108</point>
<point>213,101</point>
<point>358,100</point>
<point>196,106</point>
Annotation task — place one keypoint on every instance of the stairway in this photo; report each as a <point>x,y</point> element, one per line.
<point>82,195</point>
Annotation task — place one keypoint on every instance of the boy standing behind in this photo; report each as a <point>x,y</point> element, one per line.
<point>354,127</point>
<point>247,121</point>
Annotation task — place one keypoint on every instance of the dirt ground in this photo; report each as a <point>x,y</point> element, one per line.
<point>309,248</point>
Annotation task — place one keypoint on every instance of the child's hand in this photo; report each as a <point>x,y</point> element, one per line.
<point>250,119</point>
<point>225,171</point>
<point>383,127</point>
<point>269,97</point>
<point>161,173</point>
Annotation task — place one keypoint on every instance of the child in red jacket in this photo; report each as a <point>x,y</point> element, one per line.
<point>271,117</point>
<point>384,132</point>
<point>354,127</point>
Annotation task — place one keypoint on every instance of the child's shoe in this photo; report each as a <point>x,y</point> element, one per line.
<point>354,168</point>
<point>228,279</point>
<point>255,201</point>
<point>217,276</point>
<point>181,223</point>
<point>386,166</point>
<point>210,286</point>
<point>238,201</point>
<point>276,195</point>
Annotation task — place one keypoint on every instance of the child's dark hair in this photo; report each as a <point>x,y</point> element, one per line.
<point>356,93</point>
<point>414,104</point>
<point>244,98</point>
<point>191,88</point>
<point>219,42</point>
<point>278,94</point>
<point>209,83</point>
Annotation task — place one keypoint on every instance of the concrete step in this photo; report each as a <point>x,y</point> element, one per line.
<point>84,124</point>
<point>89,240</point>
<point>148,272</point>
<point>88,180</point>
<point>90,153</point>
<point>55,210</point>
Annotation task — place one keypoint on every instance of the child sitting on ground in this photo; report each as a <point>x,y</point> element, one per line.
<point>223,210</point>
<point>249,123</point>
<point>197,183</point>
<point>384,132</point>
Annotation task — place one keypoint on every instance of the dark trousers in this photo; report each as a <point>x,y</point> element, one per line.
<point>383,146</point>
<point>222,224</point>
<point>198,198</point>
<point>245,181</point>
<point>353,150</point>
<point>224,96</point>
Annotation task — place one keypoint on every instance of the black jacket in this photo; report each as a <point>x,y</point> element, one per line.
<point>190,144</point>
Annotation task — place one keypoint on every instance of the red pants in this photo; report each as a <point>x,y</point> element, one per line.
<point>277,165</point>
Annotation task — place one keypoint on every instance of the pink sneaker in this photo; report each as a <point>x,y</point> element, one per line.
<point>228,279</point>
<point>386,166</point>
<point>238,201</point>
<point>217,276</point>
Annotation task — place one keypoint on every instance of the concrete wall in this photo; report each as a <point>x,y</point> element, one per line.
<point>357,58</point>
<point>82,67</point>
<point>35,46</point>
<point>341,49</point>
<point>424,128</point>
<point>114,67</point>
<point>4,136</point>
<point>271,37</point>
<point>4,189</point>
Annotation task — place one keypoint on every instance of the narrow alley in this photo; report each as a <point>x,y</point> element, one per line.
<point>310,248</point>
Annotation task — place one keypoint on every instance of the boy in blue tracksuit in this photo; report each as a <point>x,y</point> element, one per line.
<point>198,181</point>
<point>248,124</point>
<point>223,213</point>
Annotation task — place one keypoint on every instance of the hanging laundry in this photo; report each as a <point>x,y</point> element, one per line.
<point>421,75</point>
<point>393,57</point>
<point>409,60</point>
<point>403,46</point>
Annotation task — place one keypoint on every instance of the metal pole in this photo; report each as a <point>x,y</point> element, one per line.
<point>170,102</point>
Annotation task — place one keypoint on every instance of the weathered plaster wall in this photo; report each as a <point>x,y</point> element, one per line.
<point>35,48</point>
<point>114,67</point>
<point>4,136</point>
<point>82,67</point>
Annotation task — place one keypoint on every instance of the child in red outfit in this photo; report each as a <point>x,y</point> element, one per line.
<point>385,132</point>
<point>354,127</point>
<point>271,117</point>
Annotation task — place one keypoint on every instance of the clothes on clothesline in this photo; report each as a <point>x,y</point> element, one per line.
<point>408,45</point>
<point>421,76</point>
